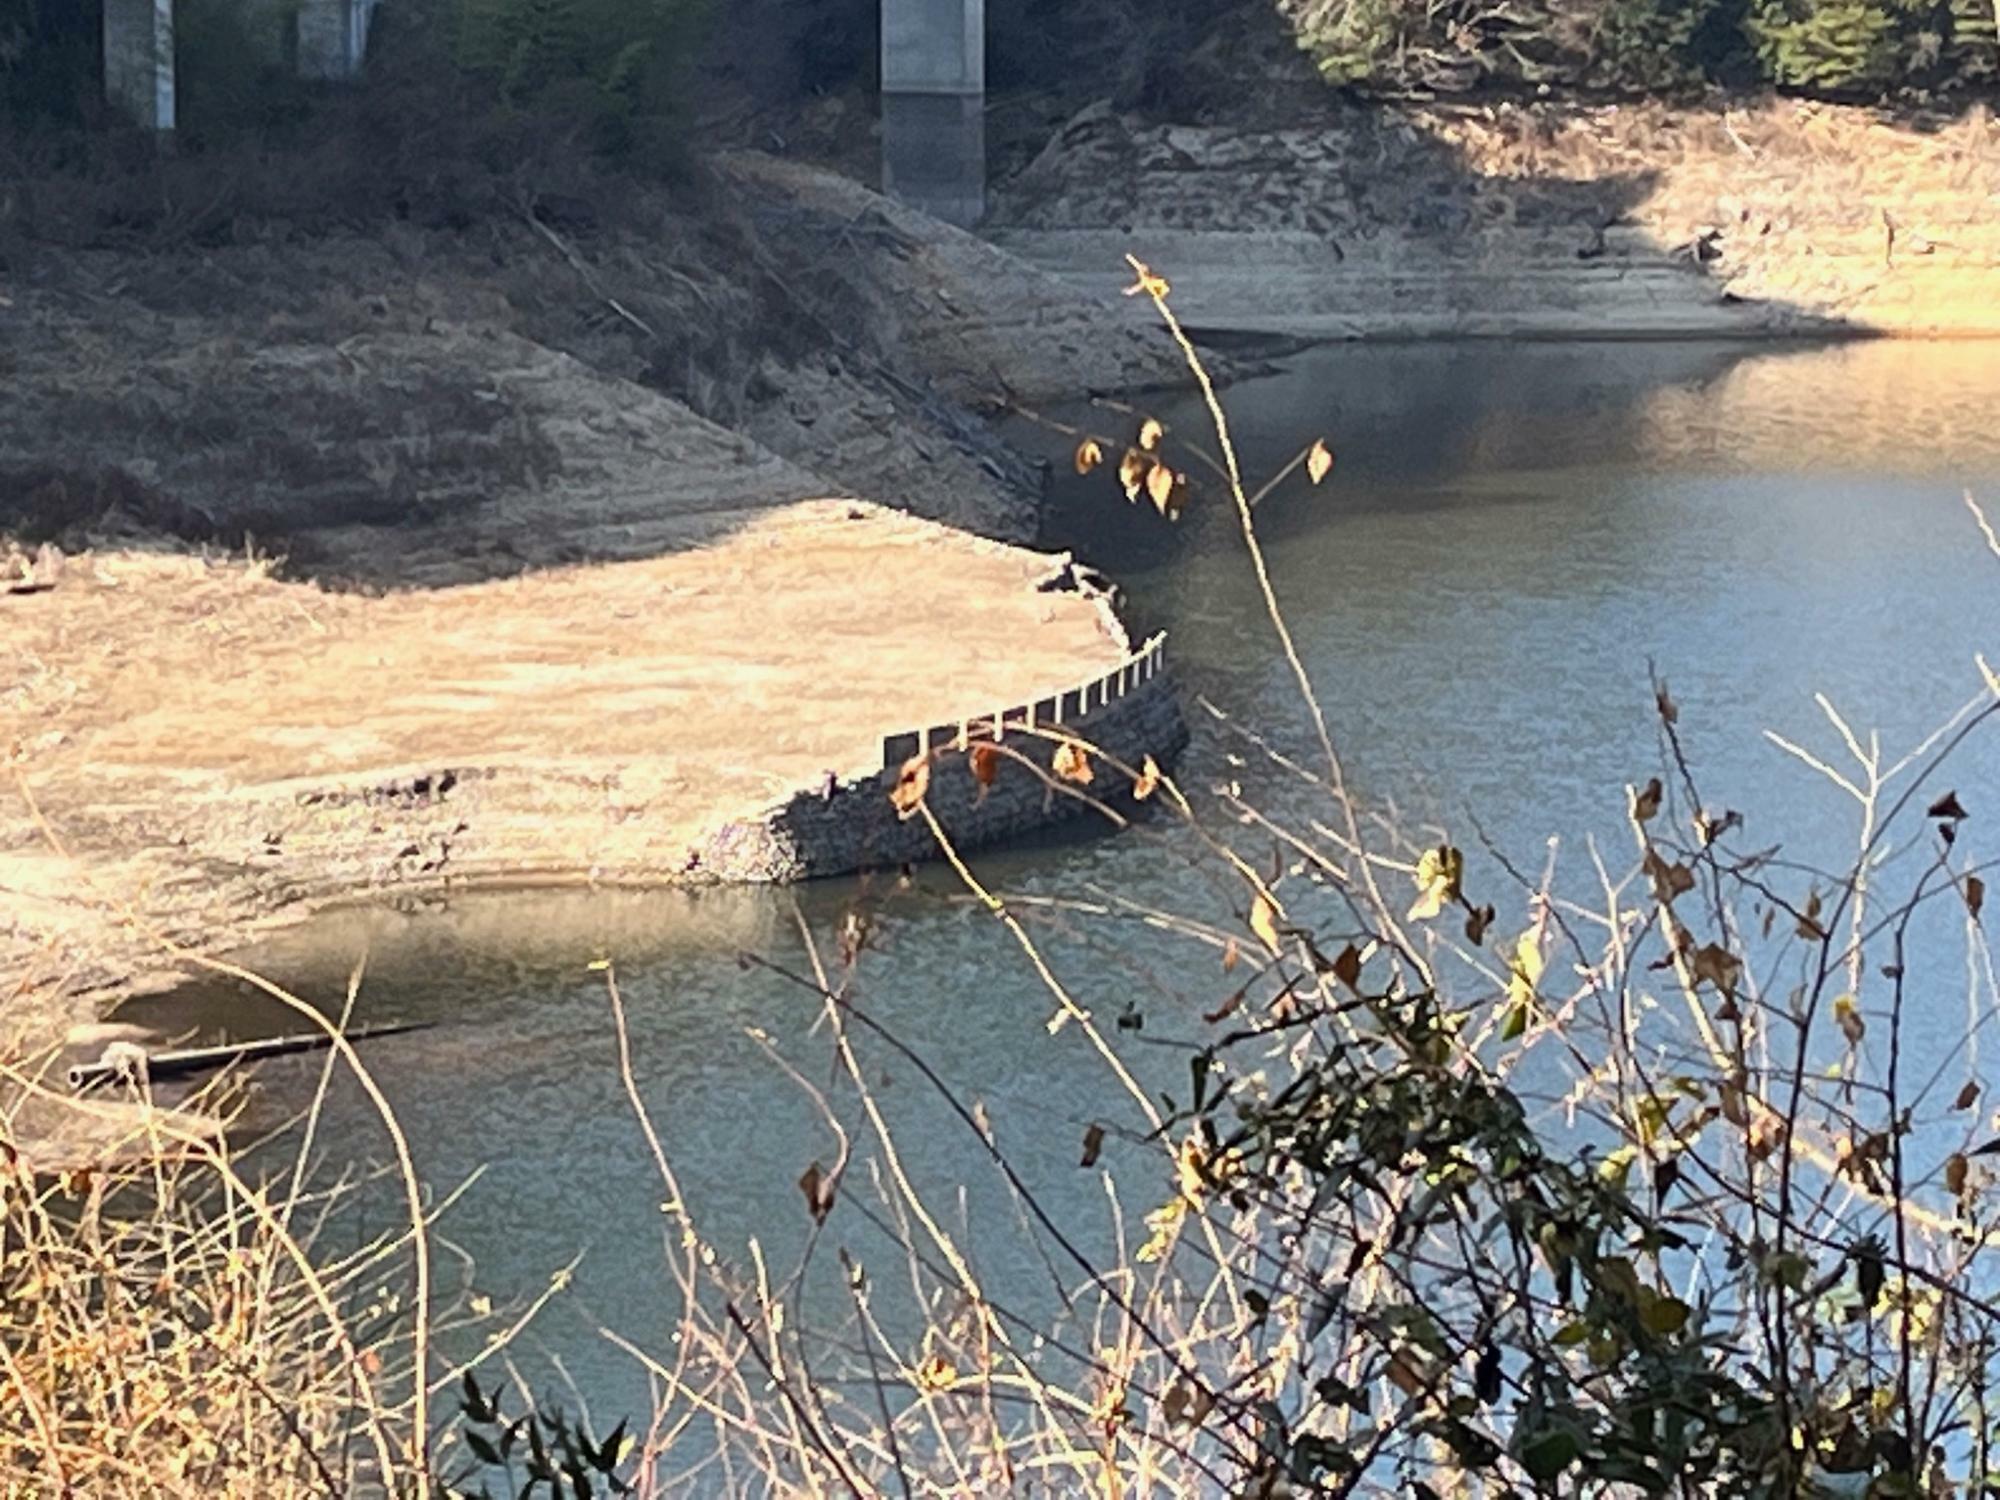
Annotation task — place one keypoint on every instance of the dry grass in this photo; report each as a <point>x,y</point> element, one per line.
<point>173,1329</point>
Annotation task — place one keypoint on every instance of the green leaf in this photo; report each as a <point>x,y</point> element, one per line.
<point>1572,1334</point>
<point>1547,1454</point>
<point>1664,1316</point>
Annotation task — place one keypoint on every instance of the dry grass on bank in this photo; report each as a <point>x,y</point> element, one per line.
<point>172,1328</point>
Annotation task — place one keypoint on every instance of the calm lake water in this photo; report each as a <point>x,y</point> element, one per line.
<point>1511,534</point>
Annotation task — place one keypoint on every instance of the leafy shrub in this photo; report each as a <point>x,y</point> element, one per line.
<point>48,62</point>
<point>1822,46</point>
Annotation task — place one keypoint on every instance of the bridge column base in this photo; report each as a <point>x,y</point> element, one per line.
<point>934,153</point>
<point>139,61</point>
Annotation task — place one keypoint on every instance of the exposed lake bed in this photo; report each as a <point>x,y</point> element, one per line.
<point>1513,535</point>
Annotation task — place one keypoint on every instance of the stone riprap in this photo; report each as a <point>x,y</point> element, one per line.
<point>1117,721</point>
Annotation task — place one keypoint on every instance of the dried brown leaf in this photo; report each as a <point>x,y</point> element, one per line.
<point>984,761</point>
<point>1228,1008</point>
<point>1646,802</point>
<point>1669,880</point>
<point>1347,967</point>
<point>1093,1143</point>
<point>913,783</point>
<point>1072,763</point>
<point>1132,470</point>
<point>818,1190</point>
<point>1975,895</point>
<point>1967,1097</point>
<point>1147,781</point>
<point>1808,926</point>
<point>1718,966</point>
<point>1947,806</point>
<point>1187,1404</point>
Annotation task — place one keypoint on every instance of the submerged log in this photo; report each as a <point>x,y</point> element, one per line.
<point>123,1060</point>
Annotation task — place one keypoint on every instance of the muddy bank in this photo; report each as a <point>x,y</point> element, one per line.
<point>1631,220</point>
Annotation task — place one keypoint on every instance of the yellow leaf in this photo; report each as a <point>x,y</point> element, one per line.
<point>1438,875</point>
<point>1147,781</point>
<point>1149,284</point>
<point>1088,455</point>
<point>1524,971</point>
<point>1165,1224</point>
<point>1190,1170</point>
<point>1072,764</point>
<point>1847,1015</point>
<point>1319,461</point>
<point>1160,485</point>
<point>1150,433</point>
<point>913,782</point>
<point>1264,922</point>
<point>1230,955</point>
<point>935,1374</point>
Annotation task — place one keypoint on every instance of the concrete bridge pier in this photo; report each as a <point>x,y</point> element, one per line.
<point>333,37</point>
<point>330,42</point>
<point>139,60</point>
<point>934,106</point>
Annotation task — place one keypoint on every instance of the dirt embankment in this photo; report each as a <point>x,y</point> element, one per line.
<point>1545,219</point>
<point>382,565</point>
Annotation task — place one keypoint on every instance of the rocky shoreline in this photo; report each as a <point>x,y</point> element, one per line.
<point>1554,220</point>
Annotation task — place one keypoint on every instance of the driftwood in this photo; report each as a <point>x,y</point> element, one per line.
<point>123,1060</point>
